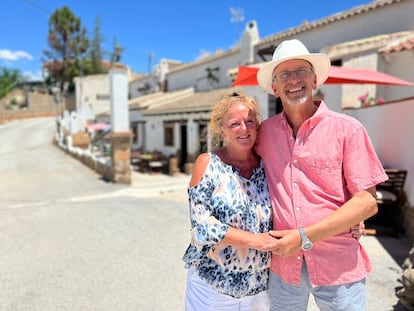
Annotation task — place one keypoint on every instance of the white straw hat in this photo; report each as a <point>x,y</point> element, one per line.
<point>293,49</point>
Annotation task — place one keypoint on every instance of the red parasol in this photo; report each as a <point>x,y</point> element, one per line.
<point>337,75</point>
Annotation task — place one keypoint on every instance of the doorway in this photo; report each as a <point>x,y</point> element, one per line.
<point>183,147</point>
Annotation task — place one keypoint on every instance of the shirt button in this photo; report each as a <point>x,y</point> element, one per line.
<point>299,258</point>
<point>297,208</point>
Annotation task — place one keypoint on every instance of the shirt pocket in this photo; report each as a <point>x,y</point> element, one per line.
<point>326,172</point>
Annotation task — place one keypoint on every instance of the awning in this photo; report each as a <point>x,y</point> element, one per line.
<point>337,75</point>
<point>97,126</point>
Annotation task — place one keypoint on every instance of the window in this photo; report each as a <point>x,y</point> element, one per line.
<point>336,62</point>
<point>102,96</point>
<point>169,134</point>
<point>135,132</point>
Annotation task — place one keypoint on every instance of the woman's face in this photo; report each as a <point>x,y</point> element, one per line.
<point>239,127</point>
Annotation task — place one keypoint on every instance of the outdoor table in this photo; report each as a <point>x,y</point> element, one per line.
<point>144,163</point>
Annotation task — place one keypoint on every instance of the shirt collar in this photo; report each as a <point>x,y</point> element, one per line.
<point>319,115</point>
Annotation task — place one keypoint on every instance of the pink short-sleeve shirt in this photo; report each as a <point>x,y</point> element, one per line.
<point>310,177</point>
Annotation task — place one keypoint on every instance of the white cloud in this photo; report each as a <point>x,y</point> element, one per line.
<point>204,54</point>
<point>33,76</point>
<point>8,55</point>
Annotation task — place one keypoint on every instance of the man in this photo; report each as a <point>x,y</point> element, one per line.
<point>322,170</point>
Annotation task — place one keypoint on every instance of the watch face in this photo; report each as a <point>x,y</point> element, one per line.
<point>307,245</point>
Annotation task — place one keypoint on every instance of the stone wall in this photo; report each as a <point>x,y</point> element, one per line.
<point>16,105</point>
<point>116,169</point>
<point>99,165</point>
<point>406,293</point>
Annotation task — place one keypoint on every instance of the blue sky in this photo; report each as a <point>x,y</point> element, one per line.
<point>179,30</point>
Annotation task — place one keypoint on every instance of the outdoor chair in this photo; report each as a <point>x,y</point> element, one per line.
<point>390,198</point>
<point>157,162</point>
<point>136,161</point>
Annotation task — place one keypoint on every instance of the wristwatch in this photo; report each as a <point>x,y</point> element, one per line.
<point>306,243</point>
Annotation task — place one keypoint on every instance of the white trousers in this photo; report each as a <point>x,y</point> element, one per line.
<point>200,296</point>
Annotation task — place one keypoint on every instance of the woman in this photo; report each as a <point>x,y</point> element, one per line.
<point>230,215</point>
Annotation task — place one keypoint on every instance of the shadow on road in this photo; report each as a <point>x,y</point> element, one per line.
<point>398,247</point>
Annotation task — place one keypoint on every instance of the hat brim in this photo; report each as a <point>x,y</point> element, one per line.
<point>320,63</point>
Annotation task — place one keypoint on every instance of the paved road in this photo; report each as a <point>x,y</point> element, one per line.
<point>70,241</point>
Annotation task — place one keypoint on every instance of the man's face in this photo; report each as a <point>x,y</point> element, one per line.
<point>294,81</point>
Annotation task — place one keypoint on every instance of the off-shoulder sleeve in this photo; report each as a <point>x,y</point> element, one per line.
<point>206,230</point>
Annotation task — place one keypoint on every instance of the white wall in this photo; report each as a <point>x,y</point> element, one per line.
<point>92,93</point>
<point>400,65</point>
<point>391,128</point>
<point>261,98</point>
<point>154,131</point>
<point>196,75</point>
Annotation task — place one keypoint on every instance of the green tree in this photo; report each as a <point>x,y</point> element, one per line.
<point>8,77</point>
<point>68,44</point>
<point>96,53</point>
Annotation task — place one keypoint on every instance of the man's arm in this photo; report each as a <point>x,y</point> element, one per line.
<point>360,207</point>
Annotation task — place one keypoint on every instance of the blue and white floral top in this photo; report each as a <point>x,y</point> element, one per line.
<point>224,198</point>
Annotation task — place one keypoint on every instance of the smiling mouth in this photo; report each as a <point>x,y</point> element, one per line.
<point>244,137</point>
<point>297,89</point>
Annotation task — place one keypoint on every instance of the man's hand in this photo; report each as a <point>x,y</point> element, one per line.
<point>289,242</point>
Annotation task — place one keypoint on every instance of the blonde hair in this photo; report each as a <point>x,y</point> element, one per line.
<point>221,108</point>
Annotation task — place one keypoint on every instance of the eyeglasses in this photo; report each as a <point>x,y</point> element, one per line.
<point>300,73</point>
